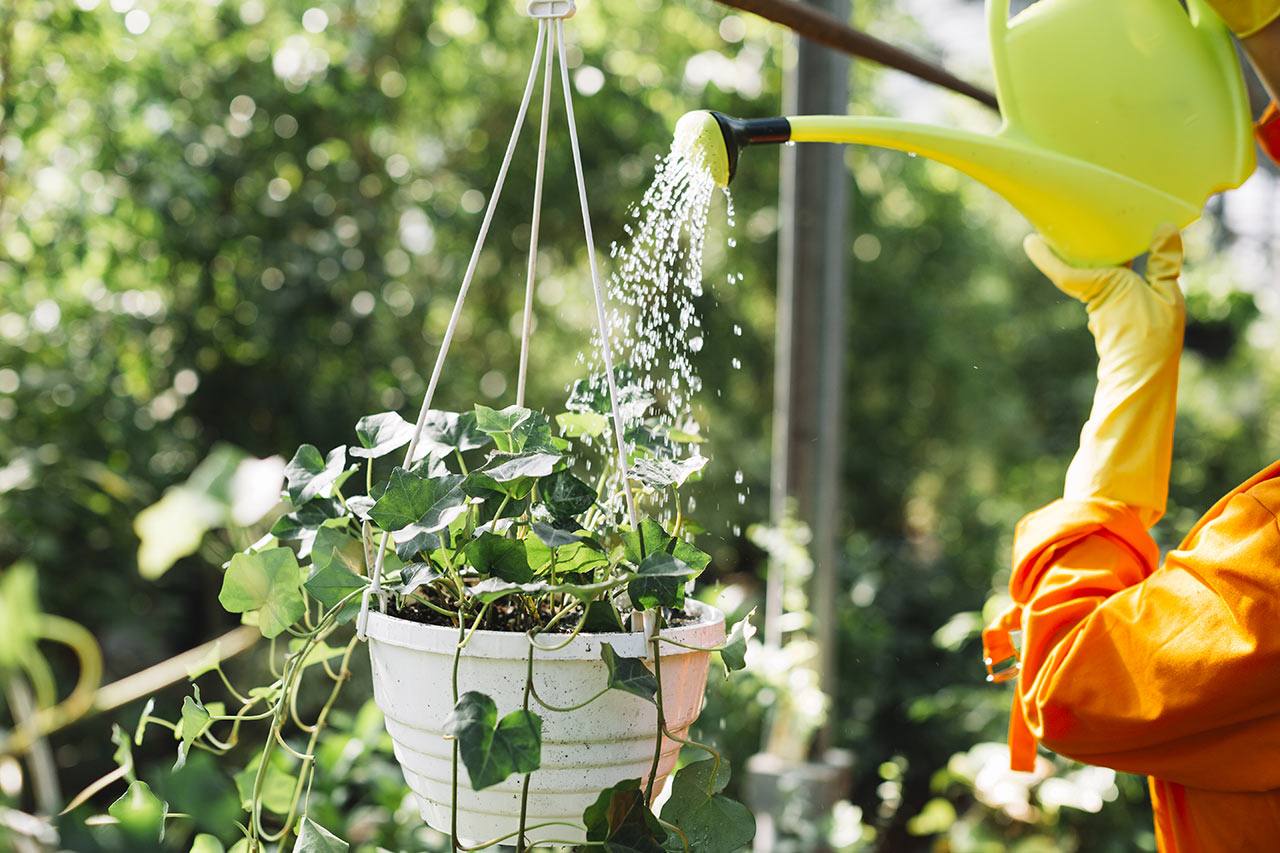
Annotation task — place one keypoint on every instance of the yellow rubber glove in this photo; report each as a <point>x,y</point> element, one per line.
<point>1246,17</point>
<point>1137,327</point>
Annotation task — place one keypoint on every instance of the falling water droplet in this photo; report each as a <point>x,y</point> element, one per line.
<point>738,476</point>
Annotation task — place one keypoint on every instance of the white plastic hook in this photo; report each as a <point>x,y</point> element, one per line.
<point>550,9</point>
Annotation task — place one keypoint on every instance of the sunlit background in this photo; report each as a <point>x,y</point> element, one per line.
<point>246,222</point>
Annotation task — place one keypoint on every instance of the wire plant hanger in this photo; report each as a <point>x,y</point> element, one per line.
<point>550,15</point>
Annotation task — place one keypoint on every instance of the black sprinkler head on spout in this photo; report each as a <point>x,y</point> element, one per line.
<point>713,139</point>
<point>740,132</point>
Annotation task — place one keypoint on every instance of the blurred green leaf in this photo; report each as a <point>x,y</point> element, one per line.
<point>269,584</point>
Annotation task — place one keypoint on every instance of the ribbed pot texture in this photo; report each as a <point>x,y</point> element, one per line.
<point>583,751</point>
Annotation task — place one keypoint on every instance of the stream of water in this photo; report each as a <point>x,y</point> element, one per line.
<point>654,291</point>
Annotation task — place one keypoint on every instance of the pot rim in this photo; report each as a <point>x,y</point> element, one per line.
<point>707,633</point>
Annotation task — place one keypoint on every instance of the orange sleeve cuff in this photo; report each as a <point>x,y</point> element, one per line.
<point>1039,537</point>
<point>1046,532</point>
<point>1268,132</point>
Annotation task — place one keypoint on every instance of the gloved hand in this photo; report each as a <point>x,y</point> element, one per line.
<point>1137,327</point>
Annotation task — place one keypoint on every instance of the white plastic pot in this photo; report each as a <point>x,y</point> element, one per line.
<point>583,751</point>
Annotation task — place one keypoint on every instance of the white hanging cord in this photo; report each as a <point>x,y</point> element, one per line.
<point>527,328</point>
<point>605,350</point>
<point>375,580</point>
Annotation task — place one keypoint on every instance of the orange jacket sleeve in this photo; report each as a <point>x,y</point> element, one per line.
<point>1170,671</point>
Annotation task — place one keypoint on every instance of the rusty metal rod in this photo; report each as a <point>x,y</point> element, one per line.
<point>825,29</point>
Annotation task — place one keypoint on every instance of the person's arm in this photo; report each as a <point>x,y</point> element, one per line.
<point>1165,671</point>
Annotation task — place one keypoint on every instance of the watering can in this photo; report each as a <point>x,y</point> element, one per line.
<point>1119,115</point>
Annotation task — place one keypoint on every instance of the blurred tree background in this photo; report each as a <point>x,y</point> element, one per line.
<point>246,221</point>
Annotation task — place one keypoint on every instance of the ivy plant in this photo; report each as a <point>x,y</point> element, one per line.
<point>487,523</point>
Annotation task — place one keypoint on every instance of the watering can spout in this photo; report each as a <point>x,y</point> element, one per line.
<point>1089,214</point>
<point>1098,145</point>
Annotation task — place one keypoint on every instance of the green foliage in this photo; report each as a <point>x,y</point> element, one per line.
<point>493,749</point>
<point>140,812</point>
<point>734,652</point>
<point>160,298</point>
<point>659,581</point>
<point>620,820</point>
<point>709,820</point>
<point>314,838</point>
<point>267,584</point>
<point>629,674</point>
<point>380,434</point>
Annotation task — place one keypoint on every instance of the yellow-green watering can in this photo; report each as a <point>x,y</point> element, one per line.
<point>1118,115</point>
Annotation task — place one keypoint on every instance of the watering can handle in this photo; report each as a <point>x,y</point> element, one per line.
<point>997,32</point>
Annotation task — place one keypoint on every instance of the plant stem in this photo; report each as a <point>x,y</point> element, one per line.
<point>557,709</point>
<point>453,788</point>
<point>662,719</point>
<point>521,843</point>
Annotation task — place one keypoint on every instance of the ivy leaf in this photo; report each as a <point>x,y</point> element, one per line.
<point>693,785</point>
<point>332,583</point>
<point>427,504</point>
<point>268,583</point>
<point>334,545</point>
<point>206,843</point>
<point>420,541</point>
<point>360,506</point>
<point>579,558</point>
<point>453,431</point>
<point>515,429</point>
<point>734,653</point>
<point>565,495</point>
<point>621,821</point>
<point>659,581</point>
<point>493,749</point>
<point>501,425</point>
<point>500,558</point>
<point>656,540</point>
<point>494,495</point>
<point>661,473</point>
<point>720,825</point>
<point>553,537</point>
<point>416,575</point>
<point>277,784</point>
<point>308,473</point>
<point>314,838</point>
<point>694,557</point>
<point>592,395</point>
<point>304,522</point>
<point>711,822</point>
<point>505,467</point>
<point>140,812</point>
<point>629,675</point>
<point>577,424</point>
<point>317,652</point>
<point>602,618</point>
<point>652,539</point>
<point>380,434</point>
<point>195,722</point>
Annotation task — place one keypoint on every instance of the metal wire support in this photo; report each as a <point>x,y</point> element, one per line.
<point>548,13</point>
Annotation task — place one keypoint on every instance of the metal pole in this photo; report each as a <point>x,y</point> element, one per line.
<point>809,372</point>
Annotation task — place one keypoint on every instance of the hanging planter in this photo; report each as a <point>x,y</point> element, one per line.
<point>584,751</point>
<point>493,586</point>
